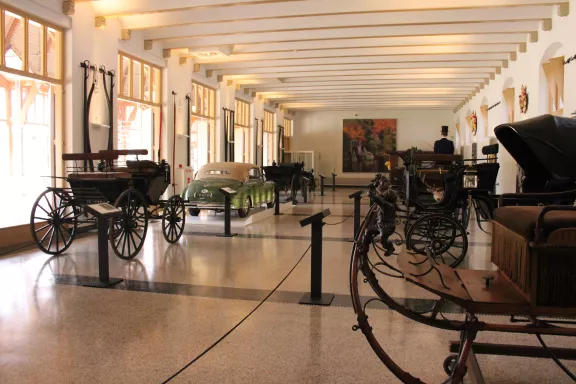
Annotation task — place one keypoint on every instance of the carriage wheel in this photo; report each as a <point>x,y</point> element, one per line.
<point>442,235</point>
<point>173,219</point>
<point>128,231</point>
<point>53,221</point>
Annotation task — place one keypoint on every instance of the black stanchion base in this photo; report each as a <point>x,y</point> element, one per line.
<point>278,214</point>
<point>103,283</point>
<point>325,300</point>
<point>225,235</point>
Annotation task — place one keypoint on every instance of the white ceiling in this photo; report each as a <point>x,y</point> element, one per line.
<point>342,54</point>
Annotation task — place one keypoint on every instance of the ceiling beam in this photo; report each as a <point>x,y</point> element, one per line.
<point>451,58</point>
<point>379,82</point>
<point>189,40</point>
<point>330,18</point>
<point>115,8</point>
<point>394,41</point>
<point>335,53</point>
<point>438,66</point>
<point>360,72</point>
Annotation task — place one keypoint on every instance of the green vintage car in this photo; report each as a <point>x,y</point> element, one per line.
<point>246,179</point>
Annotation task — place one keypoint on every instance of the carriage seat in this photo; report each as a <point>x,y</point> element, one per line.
<point>522,220</point>
<point>98,175</point>
<point>142,166</point>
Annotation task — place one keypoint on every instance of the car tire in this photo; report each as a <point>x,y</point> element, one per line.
<point>193,211</point>
<point>270,205</point>
<point>244,212</point>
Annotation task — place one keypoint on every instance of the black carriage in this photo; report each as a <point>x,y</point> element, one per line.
<point>135,188</point>
<point>289,177</point>
<point>533,246</point>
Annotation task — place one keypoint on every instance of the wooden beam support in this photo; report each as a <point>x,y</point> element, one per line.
<point>100,22</point>
<point>184,60</point>
<point>126,34</point>
<point>546,25</point>
<point>219,78</point>
<point>196,68</point>
<point>564,9</point>
<point>209,73</point>
<point>498,70</point>
<point>148,45</point>
<point>68,8</point>
<point>166,53</point>
<point>230,83</point>
<point>246,91</point>
<point>505,64</point>
<point>533,37</point>
<point>522,47</point>
<point>513,56</point>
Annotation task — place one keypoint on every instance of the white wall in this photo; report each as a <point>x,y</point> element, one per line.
<point>322,132</point>
<point>527,70</point>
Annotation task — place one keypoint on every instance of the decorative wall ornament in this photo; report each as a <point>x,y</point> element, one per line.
<point>523,99</point>
<point>474,123</point>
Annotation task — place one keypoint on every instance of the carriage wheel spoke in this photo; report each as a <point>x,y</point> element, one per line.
<point>454,257</point>
<point>41,228</point>
<point>124,235</point>
<point>136,233</point>
<point>133,242</point>
<point>46,234</point>
<point>51,238</point>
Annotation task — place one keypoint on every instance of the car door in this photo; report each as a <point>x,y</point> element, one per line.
<point>255,186</point>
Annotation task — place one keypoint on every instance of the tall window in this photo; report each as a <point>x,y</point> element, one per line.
<point>268,138</point>
<point>202,126</point>
<point>554,71</point>
<point>30,72</point>
<point>139,103</point>
<point>288,134</point>
<point>242,132</point>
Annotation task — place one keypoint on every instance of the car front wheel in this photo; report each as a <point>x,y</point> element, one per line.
<point>244,212</point>
<point>193,211</point>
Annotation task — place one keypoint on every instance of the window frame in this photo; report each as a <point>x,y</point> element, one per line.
<point>143,63</point>
<point>25,71</point>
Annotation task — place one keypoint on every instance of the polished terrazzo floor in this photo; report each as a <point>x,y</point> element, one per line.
<point>178,300</point>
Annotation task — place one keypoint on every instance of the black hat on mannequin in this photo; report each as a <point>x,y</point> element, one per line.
<point>444,130</point>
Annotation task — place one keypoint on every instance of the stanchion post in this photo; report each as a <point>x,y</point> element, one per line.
<point>277,200</point>
<point>228,193</point>
<point>103,212</point>
<point>334,182</point>
<point>305,181</point>
<point>322,177</point>
<point>315,296</point>
<point>357,196</point>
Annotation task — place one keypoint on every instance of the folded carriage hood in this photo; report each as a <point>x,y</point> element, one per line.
<point>542,146</point>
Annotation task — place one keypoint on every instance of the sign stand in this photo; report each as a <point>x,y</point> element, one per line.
<point>228,193</point>
<point>103,213</point>
<point>322,177</point>
<point>357,196</point>
<point>315,296</point>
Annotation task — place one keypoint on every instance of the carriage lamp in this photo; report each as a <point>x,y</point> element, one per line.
<point>470,178</point>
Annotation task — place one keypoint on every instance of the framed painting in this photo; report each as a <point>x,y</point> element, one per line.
<point>367,144</point>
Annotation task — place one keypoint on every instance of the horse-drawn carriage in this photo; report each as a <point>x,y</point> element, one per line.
<point>290,177</point>
<point>135,188</point>
<point>533,246</point>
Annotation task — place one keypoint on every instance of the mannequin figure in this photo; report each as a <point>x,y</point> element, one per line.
<point>444,146</point>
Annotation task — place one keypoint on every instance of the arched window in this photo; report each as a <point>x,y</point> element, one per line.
<point>509,97</point>
<point>554,71</point>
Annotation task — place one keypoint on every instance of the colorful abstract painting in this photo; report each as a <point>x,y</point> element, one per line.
<point>367,143</point>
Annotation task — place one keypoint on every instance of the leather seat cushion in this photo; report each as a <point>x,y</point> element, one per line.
<point>522,220</point>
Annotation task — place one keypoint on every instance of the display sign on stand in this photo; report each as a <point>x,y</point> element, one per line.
<point>103,213</point>
<point>228,194</point>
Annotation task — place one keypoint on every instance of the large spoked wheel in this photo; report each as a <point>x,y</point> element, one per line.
<point>442,236</point>
<point>128,231</point>
<point>173,219</point>
<point>53,221</point>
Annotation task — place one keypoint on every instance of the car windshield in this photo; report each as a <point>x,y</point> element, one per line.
<point>217,173</point>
